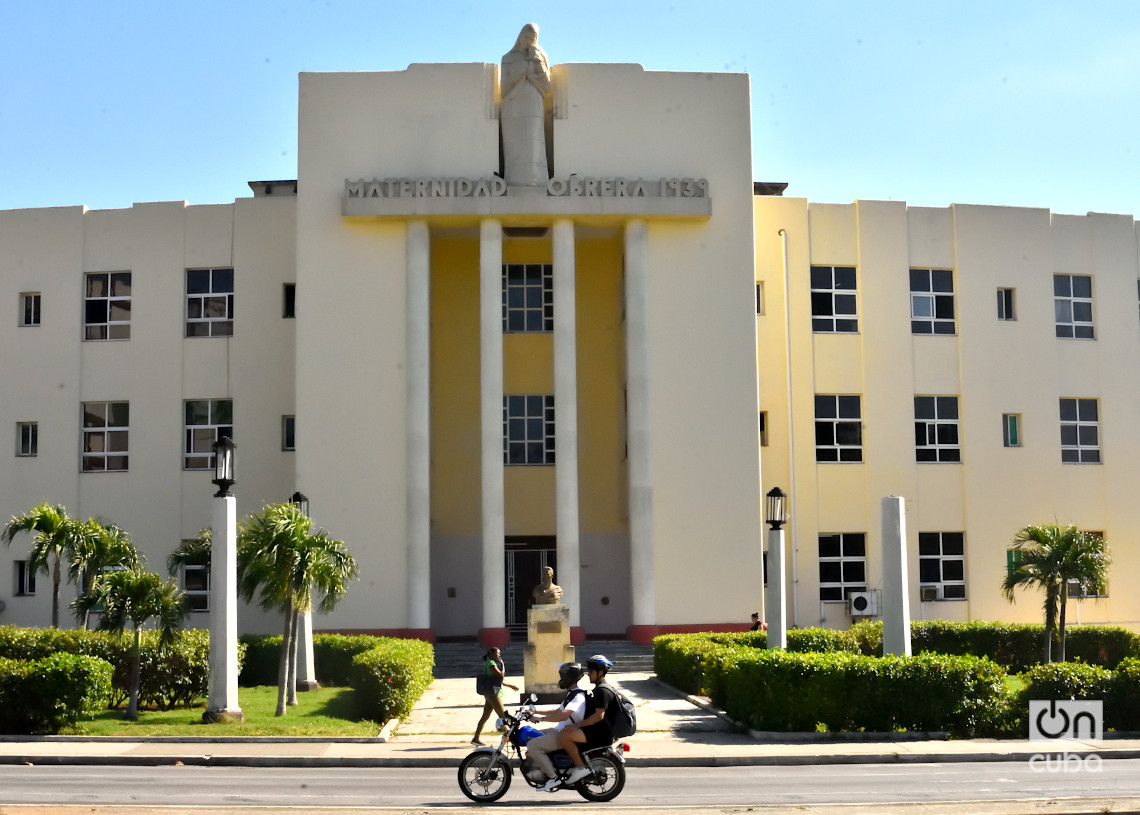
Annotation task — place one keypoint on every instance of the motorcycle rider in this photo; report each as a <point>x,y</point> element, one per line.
<point>571,711</point>
<point>594,730</point>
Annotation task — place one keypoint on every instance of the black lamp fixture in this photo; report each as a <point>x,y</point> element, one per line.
<point>302,502</point>
<point>776,507</point>
<point>224,466</point>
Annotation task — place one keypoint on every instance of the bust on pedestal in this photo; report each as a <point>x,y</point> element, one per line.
<point>548,640</point>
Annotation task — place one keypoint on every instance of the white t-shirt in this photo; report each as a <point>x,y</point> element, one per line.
<point>577,708</point>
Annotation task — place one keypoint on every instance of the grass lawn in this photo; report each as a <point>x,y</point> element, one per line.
<point>328,712</point>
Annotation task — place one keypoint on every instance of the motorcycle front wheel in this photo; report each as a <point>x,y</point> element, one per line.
<point>484,777</point>
<point>606,779</point>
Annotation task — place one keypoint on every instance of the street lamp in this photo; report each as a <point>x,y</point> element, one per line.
<point>224,466</point>
<point>222,699</point>
<point>306,669</point>
<point>776,515</point>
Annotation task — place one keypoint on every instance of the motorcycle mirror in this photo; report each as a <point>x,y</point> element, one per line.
<point>533,698</point>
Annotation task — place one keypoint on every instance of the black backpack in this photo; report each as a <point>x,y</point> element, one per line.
<point>624,721</point>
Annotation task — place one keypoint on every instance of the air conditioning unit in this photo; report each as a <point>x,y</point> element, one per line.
<point>1076,591</point>
<point>927,594</point>
<point>863,604</point>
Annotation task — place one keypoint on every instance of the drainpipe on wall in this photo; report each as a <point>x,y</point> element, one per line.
<point>783,233</point>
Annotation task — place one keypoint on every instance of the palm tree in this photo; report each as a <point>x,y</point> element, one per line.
<point>194,552</point>
<point>1050,556</point>
<point>104,546</point>
<point>57,536</point>
<point>283,562</point>
<point>134,597</point>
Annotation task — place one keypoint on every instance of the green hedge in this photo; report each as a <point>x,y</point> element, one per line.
<point>175,675</point>
<point>45,695</point>
<point>391,676</point>
<point>1122,700</point>
<point>332,657</point>
<point>1020,646</point>
<point>787,691</point>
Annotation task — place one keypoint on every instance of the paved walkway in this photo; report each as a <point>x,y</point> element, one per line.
<point>673,730</point>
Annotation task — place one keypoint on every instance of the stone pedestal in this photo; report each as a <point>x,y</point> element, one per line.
<point>548,646</point>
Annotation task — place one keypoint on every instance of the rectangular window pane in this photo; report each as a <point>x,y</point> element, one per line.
<point>833,296</point>
<point>107,306</point>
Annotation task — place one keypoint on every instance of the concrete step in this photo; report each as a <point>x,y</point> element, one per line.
<point>454,660</point>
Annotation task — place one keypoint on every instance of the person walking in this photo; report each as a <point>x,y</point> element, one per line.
<point>490,684</point>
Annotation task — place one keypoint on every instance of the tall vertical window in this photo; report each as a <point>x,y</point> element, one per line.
<point>1005,305</point>
<point>27,439</point>
<point>931,301</point>
<point>528,429</point>
<point>107,306</point>
<point>209,302</point>
<point>942,563</point>
<point>106,431</point>
<point>833,307</point>
<point>207,420</point>
<point>29,308</point>
<point>1080,431</point>
<point>1011,429</point>
<point>289,307</point>
<point>936,428</point>
<point>842,565</point>
<point>288,433</point>
<point>838,428</point>
<point>1072,302</point>
<point>25,579</point>
<point>528,298</point>
<point>763,428</point>
<point>196,586</point>
<point>759,298</point>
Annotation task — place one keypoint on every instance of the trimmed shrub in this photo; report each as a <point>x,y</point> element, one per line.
<point>333,655</point>
<point>262,656</point>
<point>1122,701</point>
<point>42,696</point>
<point>1019,646</point>
<point>391,676</point>
<point>868,637</point>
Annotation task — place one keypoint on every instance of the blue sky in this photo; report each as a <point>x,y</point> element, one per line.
<point>1000,102</point>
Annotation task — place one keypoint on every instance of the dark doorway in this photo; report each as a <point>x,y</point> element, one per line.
<point>526,558</point>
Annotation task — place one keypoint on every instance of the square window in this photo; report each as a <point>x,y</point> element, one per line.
<point>1072,306</point>
<point>528,430</point>
<point>931,301</point>
<point>936,429</point>
<point>1080,431</point>
<point>105,435</point>
<point>210,302</point>
<point>107,306</point>
<point>838,428</point>
<point>833,299</point>
<point>207,420</point>
<point>29,308</point>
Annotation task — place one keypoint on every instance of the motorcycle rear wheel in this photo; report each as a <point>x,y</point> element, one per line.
<point>606,779</point>
<point>484,779</point>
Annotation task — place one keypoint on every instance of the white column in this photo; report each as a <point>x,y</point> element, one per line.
<point>306,670</point>
<point>222,695</point>
<point>566,420</point>
<point>637,423</point>
<point>418,375</point>
<point>491,419</point>
<point>896,596</point>
<point>775,608</point>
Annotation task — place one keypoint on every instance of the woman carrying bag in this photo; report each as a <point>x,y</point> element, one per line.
<point>490,683</point>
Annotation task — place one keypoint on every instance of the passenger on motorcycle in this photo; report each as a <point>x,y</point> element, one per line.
<point>594,730</point>
<point>570,712</point>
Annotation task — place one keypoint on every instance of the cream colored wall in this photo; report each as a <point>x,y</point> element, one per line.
<point>994,367</point>
<point>156,501</point>
<point>702,327</point>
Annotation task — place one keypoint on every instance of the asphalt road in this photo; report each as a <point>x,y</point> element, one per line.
<point>923,788</point>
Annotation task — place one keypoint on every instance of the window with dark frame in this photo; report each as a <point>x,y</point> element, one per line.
<point>196,586</point>
<point>288,433</point>
<point>206,421</point>
<point>27,439</point>
<point>936,429</point>
<point>210,302</point>
<point>842,565</point>
<point>290,305</point>
<point>1072,302</point>
<point>528,298</point>
<point>942,563</point>
<point>931,301</point>
<point>528,430</point>
<point>838,428</point>
<point>1080,431</point>
<point>107,306</point>
<point>25,579</point>
<point>29,308</point>
<point>1005,305</point>
<point>833,300</point>
<point>106,436</point>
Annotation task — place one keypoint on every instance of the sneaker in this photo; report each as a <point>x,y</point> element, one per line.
<point>576,775</point>
<point>476,742</point>
<point>551,785</point>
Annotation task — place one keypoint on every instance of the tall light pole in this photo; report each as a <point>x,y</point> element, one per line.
<point>776,515</point>
<point>222,700</point>
<point>303,658</point>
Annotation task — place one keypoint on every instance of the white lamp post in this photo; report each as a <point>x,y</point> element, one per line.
<point>776,515</point>
<point>306,672</point>
<point>222,700</point>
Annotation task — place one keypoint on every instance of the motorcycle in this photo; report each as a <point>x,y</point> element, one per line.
<point>485,774</point>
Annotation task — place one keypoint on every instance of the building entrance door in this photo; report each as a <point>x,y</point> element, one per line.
<point>526,558</point>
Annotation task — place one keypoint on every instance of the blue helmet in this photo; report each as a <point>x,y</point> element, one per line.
<point>598,662</point>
